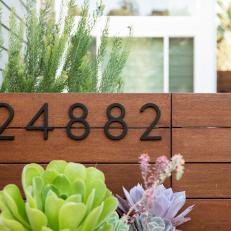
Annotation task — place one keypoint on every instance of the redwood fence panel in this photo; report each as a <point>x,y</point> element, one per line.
<point>196,125</point>
<point>201,131</point>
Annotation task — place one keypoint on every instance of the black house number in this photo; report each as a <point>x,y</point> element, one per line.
<point>82,119</point>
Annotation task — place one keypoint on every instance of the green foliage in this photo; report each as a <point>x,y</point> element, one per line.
<point>224,16</point>
<point>1,39</point>
<point>63,197</point>
<point>57,55</point>
<point>14,71</point>
<point>117,223</point>
<point>223,35</point>
<point>116,62</point>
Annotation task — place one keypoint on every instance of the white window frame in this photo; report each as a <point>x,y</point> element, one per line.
<point>201,27</point>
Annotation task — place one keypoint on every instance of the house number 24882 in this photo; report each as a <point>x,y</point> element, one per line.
<point>82,119</point>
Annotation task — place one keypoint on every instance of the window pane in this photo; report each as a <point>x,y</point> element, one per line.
<point>144,69</point>
<point>147,7</point>
<point>181,65</point>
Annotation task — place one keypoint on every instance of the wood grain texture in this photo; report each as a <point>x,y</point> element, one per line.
<point>224,81</point>
<point>116,175</point>
<point>209,215</point>
<point>25,108</point>
<point>201,131</point>
<point>202,144</point>
<point>29,146</point>
<point>205,181</point>
<point>201,110</point>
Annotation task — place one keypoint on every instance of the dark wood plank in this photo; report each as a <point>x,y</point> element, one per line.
<point>205,181</point>
<point>29,146</point>
<point>117,175</point>
<point>203,144</point>
<point>26,106</point>
<point>209,215</point>
<point>201,110</point>
<point>224,81</point>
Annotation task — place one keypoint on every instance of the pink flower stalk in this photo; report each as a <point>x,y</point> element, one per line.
<point>155,176</point>
<point>144,160</point>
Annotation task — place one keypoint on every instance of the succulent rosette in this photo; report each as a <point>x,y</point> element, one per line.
<point>62,197</point>
<point>164,208</point>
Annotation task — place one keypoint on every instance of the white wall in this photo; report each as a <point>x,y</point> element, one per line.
<point>6,6</point>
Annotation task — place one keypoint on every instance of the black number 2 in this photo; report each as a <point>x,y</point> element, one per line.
<point>145,136</point>
<point>30,126</point>
<point>7,122</point>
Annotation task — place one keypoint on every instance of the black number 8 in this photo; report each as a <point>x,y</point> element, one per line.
<point>113,119</point>
<point>81,119</point>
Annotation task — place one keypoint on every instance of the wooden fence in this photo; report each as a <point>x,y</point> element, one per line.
<point>196,125</point>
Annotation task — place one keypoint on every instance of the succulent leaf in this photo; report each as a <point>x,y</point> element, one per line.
<point>29,172</point>
<point>52,207</point>
<point>36,218</point>
<point>71,214</point>
<point>91,222</point>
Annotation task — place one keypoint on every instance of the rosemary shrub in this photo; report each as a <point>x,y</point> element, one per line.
<point>50,55</point>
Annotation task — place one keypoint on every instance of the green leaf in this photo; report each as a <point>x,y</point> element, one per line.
<point>48,188</point>
<point>57,165</point>
<point>119,224</point>
<point>91,220</point>
<point>36,218</point>
<point>37,191</point>
<point>52,207</point>
<point>29,172</point>
<point>71,214</point>
<point>72,170</point>
<point>49,176</point>
<point>15,203</point>
<point>106,227</point>
<point>110,205</point>
<point>74,198</point>
<point>79,187</point>
<point>46,229</point>
<point>100,191</point>
<point>11,224</point>
<point>63,185</point>
<point>90,201</point>
<point>3,206</point>
<point>29,198</point>
<point>93,173</point>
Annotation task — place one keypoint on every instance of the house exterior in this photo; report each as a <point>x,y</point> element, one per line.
<point>173,44</point>
<point>173,48</point>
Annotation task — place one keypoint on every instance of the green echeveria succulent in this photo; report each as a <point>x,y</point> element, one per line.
<point>62,197</point>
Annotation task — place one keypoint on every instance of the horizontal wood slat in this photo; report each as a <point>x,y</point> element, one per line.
<point>209,215</point>
<point>205,181</point>
<point>25,107</point>
<point>201,110</point>
<point>196,125</point>
<point>202,144</point>
<point>29,146</point>
<point>128,175</point>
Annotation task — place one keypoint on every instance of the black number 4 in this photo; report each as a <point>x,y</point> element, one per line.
<point>45,129</point>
